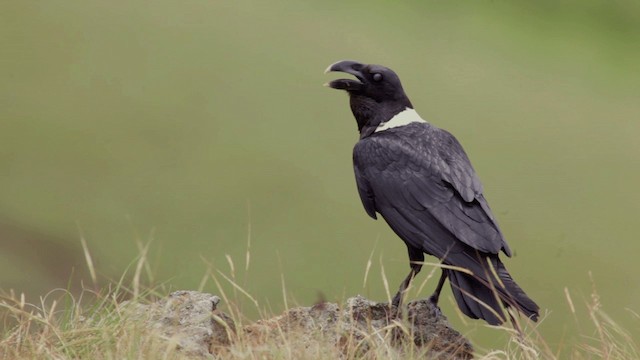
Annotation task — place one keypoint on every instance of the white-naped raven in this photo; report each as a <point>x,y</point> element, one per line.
<point>421,181</point>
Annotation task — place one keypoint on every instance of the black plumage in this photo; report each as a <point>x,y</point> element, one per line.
<point>421,181</point>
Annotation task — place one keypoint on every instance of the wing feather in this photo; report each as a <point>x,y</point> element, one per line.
<point>430,176</point>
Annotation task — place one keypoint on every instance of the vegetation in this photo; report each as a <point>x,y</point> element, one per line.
<point>93,325</point>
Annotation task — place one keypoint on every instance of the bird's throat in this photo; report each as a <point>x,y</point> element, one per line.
<point>370,114</point>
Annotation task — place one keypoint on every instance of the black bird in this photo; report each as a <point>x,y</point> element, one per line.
<point>421,181</point>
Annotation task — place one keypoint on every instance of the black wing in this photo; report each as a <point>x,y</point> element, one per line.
<point>422,182</point>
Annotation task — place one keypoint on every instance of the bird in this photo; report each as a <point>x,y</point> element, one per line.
<point>420,180</point>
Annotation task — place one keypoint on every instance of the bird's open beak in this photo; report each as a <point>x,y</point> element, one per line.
<point>350,67</point>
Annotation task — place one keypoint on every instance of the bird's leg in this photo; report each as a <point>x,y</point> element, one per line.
<point>416,259</point>
<point>397,299</point>
<point>436,294</point>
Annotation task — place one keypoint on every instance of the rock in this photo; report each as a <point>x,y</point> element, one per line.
<point>426,328</point>
<point>191,320</point>
<point>431,329</point>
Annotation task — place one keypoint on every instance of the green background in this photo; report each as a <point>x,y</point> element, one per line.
<point>199,124</point>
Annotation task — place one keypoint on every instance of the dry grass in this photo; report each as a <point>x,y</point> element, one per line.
<point>91,325</point>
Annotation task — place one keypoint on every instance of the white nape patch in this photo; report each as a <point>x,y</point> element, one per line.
<point>403,118</point>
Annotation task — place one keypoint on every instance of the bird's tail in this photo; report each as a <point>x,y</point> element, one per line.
<point>515,296</point>
<point>479,295</point>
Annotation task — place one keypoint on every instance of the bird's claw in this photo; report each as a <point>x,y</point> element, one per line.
<point>394,310</point>
<point>396,301</point>
<point>433,299</point>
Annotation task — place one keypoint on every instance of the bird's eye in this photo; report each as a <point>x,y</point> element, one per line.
<point>377,77</point>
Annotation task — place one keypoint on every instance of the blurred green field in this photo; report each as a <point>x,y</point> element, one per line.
<point>196,123</point>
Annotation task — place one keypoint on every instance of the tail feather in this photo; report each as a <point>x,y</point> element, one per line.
<point>478,298</point>
<point>475,299</point>
<point>516,297</point>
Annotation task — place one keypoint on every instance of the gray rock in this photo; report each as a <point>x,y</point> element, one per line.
<point>191,320</point>
<point>425,327</point>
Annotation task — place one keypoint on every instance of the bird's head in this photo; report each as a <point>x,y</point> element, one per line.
<point>376,95</point>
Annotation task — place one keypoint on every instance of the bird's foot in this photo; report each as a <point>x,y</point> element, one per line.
<point>395,309</point>
<point>433,299</point>
<point>395,302</point>
<point>394,314</point>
